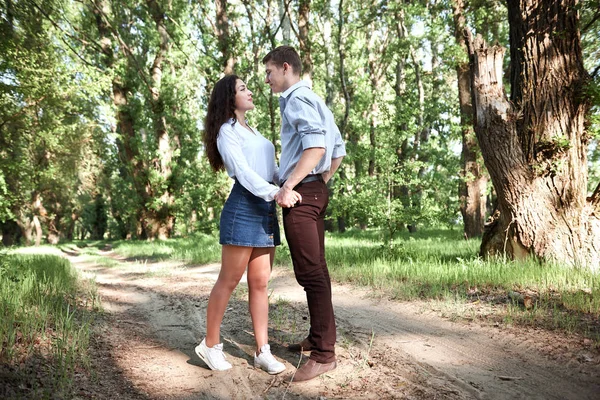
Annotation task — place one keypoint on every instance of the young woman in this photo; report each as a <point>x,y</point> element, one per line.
<point>249,228</point>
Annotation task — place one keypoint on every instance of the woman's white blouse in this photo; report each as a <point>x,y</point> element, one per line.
<point>250,158</point>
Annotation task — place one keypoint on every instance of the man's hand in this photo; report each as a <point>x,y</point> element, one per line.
<point>335,163</point>
<point>287,198</point>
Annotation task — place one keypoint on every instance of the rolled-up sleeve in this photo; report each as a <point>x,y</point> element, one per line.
<point>230,148</point>
<point>303,115</point>
<point>339,147</point>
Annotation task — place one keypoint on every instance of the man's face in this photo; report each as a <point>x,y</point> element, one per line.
<point>275,76</point>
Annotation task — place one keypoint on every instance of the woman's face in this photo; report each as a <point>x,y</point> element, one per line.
<point>243,97</point>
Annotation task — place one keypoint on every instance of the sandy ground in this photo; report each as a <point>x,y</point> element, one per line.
<point>154,317</point>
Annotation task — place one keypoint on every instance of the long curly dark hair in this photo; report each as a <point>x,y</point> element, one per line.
<point>221,107</point>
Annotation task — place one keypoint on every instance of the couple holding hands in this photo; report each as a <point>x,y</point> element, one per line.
<point>311,151</point>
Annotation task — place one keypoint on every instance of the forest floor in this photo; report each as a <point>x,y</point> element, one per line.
<point>143,345</point>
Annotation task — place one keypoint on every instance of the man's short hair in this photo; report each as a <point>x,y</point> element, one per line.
<point>284,54</point>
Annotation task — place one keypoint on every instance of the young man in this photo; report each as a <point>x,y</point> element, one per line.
<point>311,151</point>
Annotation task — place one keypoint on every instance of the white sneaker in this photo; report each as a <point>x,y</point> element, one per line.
<point>213,356</point>
<point>266,361</point>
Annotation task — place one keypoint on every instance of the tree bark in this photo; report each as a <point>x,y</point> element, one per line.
<point>374,107</point>
<point>535,147</point>
<point>223,38</point>
<point>400,189</point>
<point>304,39</point>
<point>472,187</point>
<point>342,58</point>
<point>39,212</point>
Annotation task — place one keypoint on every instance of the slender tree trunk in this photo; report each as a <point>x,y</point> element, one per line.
<point>472,188</point>
<point>39,212</point>
<point>342,59</point>
<point>70,231</point>
<point>535,146</point>
<point>341,39</point>
<point>273,121</point>
<point>400,189</point>
<point>223,39</point>
<point>329,87</point>
<point>304,39</point>
<point>374,55</point>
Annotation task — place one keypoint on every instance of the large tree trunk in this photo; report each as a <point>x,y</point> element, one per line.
<point>535,146</point>
<point>474,179</point>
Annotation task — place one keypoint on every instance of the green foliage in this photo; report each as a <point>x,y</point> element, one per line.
<point>4,203</point>
<point>82,116</point>
<point>46,118</point>
<point>94,218</point>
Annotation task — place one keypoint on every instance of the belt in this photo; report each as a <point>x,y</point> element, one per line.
<point>308,178</point>
<point>312,178</point>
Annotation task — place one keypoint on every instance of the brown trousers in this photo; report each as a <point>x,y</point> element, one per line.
<point>305,234</point>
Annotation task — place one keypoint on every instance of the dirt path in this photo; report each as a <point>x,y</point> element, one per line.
<point>155,317</point>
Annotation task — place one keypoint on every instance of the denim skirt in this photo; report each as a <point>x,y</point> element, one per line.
<point>247,220</point>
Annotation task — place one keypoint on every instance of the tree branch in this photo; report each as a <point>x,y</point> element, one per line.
<point>594,199</point>
<point>22,110</point>
<point>287,11</point>
<point>85,43</point>
<point>126,50</point>
<point>593,74</point>
<point>592,21</point>
<point>173,38</point>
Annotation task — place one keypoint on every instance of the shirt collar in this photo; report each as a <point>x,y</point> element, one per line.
<point>233,121</point>
<point>301,83</point>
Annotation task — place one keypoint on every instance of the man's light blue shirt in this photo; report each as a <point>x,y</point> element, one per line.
<point>306,122</point>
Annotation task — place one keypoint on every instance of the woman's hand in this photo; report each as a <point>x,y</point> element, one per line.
<point>297,197</point>
<point>287,198</point>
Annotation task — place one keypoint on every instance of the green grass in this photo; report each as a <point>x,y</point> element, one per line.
<point>44,321</point>
<point>431,265</point>
<point>198,249</point>
<point>441,265</point>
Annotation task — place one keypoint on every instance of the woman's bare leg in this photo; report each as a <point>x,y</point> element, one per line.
<point>234,260</point>
<point>259,271</point>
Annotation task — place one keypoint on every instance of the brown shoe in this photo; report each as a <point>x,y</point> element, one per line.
<point>300,347</point>
<point>311,370</point>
